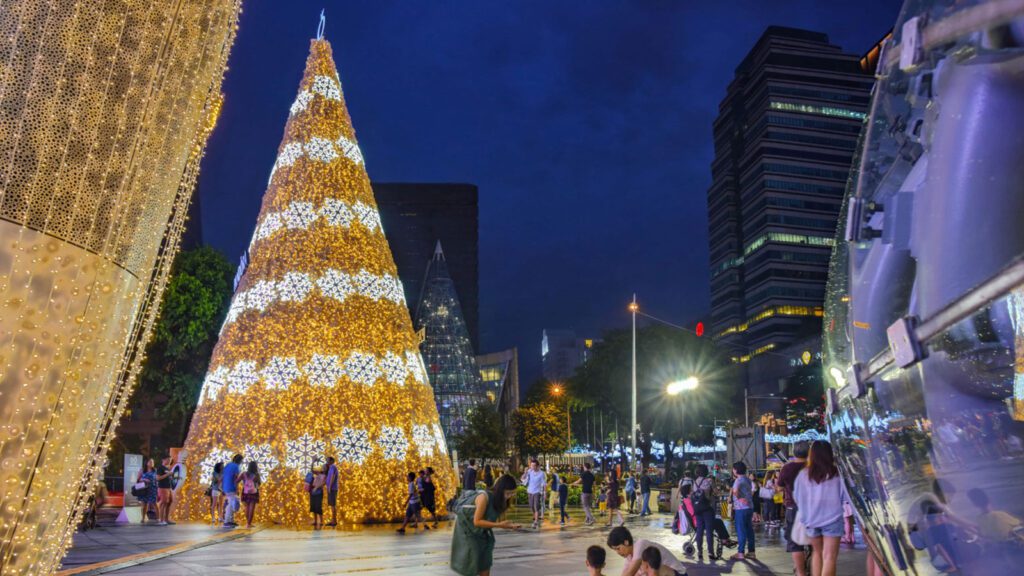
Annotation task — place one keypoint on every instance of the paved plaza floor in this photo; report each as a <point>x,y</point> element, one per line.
<point>275,551</point>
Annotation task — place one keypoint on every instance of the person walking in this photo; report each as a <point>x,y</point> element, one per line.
<point>820,494</point>
<point>472,552</point>
<point>645,493</point>
<point>229,485</point>
<point>488,476</point>
<point>612,500</point>
<point>331,487</point>
<point>149,497</point>
<point>743,511</point>
<point>703,499</point>
<point>314,484</point>
<point>164,494</point>
<point>786,479</point>
<point>216,494</point>
<point>469,476</point>
<point>412,505</point>
<point>535,481</point>
<point>428,494</point>
<point>586,480</point>
<point>767,493</point>
<point>250,482</point>
<point>630,491</point>
<point>562,491</point>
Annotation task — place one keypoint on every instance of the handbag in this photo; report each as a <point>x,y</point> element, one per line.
<point>799,533</point>
<point>778,498</point>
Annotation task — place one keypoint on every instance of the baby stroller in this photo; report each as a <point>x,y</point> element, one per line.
<point>685,525</point>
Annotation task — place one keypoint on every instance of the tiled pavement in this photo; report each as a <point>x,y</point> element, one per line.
<point>273,551</point>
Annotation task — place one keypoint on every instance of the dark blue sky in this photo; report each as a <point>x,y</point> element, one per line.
<point>586,125</point>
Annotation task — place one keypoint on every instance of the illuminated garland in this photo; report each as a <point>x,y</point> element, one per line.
<point>317,356</point>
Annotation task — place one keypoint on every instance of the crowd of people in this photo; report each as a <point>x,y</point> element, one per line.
<point>806,497</point>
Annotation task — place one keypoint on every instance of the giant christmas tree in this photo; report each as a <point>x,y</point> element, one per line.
<point>318,355</point>
<point>451,364</point>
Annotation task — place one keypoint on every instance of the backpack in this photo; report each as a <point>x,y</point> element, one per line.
<point>249,484</point>
<point>699,497</point>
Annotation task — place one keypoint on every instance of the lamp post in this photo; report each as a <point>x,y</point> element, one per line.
<point>556,390</point>
<point>633,308</point>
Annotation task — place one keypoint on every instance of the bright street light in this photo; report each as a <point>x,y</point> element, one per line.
<point>674,388</point>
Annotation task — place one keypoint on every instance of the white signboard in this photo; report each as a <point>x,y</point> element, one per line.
<point>131,511</point>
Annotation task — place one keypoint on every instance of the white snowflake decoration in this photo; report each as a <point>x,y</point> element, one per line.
<point>414,364</point>
<point>299,215</point>
<point>279,373</point>
<point>323,370</point>
<point>302,452</point>
<point>392,289</point>
<point>271,223</point>
<point>301,102</point>
<point>206,466</point>
<point>423,438</point>
<point>368,285</point>
<point>393,443</point>
<point>295,287</point>
<point>242,377</point>
<point>350,150</point>
<point>327,87</point>
<point>335,284</point>
<point>368,216</point>
<point>352,446</point>
<point>362,368</point>
<point>261,295</point>
<point>439,438</point>
<point>320,149</point>
<point>288,155</point>
<point>213,383</point>
<point>238,305</point>
<point>336,212</point>
<point>394,368</point>
<point>263,456</point>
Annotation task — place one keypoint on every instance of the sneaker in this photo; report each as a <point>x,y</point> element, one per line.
<point>161,523</point>
<point>170,523</point>
<point>228,525</point>
<point>535,525</point>
<point>737,556</point>
<point>751,556</point>
<point>562,523</point>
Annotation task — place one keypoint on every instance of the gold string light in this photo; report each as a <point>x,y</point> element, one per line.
<point>330,368</point>
<point>104,114</point>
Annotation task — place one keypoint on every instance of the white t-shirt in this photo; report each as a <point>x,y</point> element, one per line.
<point>667,559</point>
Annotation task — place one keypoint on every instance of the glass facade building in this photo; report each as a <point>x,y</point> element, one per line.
<point>784,140</point>
<point>447,350</point>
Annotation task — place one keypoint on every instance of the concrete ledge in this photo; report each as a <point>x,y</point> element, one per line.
<point>144,557</point>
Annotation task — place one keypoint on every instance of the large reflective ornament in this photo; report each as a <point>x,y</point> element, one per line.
<point>924,326</point>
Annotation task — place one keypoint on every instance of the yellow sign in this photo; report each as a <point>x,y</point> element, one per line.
<point>806,357</point>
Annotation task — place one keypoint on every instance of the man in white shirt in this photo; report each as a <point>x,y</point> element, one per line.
<point>535,481</point>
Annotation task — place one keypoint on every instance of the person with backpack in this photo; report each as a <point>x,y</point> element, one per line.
<point>702,497</point>
<point>476,517</point>
<point>250,492</point>
<point>314,485</point>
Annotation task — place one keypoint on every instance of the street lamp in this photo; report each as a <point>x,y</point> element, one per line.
<point>633,308</point>
<point>675,388</point>
<point>556,390</point>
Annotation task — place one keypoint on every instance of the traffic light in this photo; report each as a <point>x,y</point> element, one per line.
<point>700,329</point>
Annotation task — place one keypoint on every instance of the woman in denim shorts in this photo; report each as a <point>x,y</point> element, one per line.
<point>820,494</point>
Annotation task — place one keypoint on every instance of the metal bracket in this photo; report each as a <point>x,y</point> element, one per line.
<point>855,387</point>
<point>912,43</point>
<point>906,347</point>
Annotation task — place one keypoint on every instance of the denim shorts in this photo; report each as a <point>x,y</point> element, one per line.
<point>835,529</point>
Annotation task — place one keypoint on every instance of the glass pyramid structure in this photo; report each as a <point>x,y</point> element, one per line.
<point>447,351</point>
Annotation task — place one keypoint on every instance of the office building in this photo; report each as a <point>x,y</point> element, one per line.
<point>784,141</point>
<point>500,374</point>
<point>415,217</point>
<point>562,352</point>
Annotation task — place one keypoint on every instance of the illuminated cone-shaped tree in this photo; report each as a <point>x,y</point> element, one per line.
<point>447,350</point>
<point>318,355</point>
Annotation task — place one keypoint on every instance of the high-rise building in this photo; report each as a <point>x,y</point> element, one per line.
<point>447,351</point>
<point>500,374</point>
<point>415,217</point>
<point>784,140</point>
<point>561,352</point>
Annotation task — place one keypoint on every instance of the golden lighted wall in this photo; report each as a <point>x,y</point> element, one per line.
<point>318,355</point>
<point>105,107</point>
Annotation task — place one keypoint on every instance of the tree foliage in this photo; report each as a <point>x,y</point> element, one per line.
<point>539,428</point>
<point>663,355</point>
<point>191,313</point>
<point>484,437</point>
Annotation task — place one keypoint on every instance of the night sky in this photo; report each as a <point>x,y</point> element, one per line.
<point>586,125</point>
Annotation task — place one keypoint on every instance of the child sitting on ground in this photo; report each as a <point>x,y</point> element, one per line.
<point>650,564</point>
<point>595,560</point>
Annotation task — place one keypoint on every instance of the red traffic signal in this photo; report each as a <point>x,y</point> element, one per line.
<point>700,329</point>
